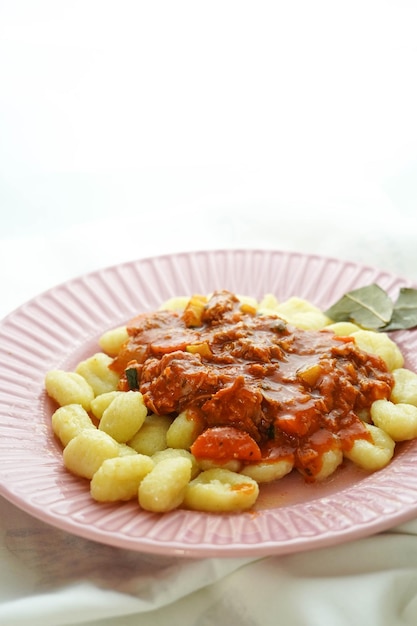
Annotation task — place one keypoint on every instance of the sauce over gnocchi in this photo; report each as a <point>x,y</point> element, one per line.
<point>262,388</point>
<point>199,403</point>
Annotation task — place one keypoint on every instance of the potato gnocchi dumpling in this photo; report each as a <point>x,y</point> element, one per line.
<point>96,372</point>
<point>302,314</point>
<point>268,304</point>
<point>405,386</point>
<point>127,451</point>
<point>343,329</point>
<point>170,453</point>
<point>69,420</point>
<point>268,471</point>
<point>184,430</point>
<point>119,478</point>
<point>217,490</point>
<point>100,403</point>
<point>112,340</point>
<point>329,462</point>
<point>152,436</point>
<point>380,344</point>
<point>399,421</point>
<point>163,489</point>
<point>88,450</point>
<point>124,416</point>
<point>69,388</point>
<point>233,465</point>
<point>375,454</point>
<point>177,303</point>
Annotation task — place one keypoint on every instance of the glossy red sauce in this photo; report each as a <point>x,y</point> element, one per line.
<point>296,393</point>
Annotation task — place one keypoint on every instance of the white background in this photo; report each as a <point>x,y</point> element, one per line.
<point>124,109</point>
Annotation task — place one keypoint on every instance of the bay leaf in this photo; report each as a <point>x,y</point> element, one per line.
<point>404,315</point>
<point>370,307</point>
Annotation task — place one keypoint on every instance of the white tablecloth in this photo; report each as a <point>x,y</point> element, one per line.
<point>130,129</point>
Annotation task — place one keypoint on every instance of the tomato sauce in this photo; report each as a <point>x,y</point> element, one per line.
<point>296,393</point>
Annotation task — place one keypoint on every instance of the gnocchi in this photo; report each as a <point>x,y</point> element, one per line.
<point>69,420</point>
<point>380,344</point>
<point>374,454</point>
<point>405,386</point>
<point>100,403</point>
<point>112,340</point>
<point>183,430</point>
<point>118,478</point>
<point>69,388</point>
<point>169,453</point>
<point>302,314</point>
<point>85,453</point>
<point>152,436</point>
<point>96,372</point>
<point>220,489</point>
<point>267,472</point>
<point>113,436</point>
<point>163,489</point>
<point>124,416</point>
<point>399,421</point>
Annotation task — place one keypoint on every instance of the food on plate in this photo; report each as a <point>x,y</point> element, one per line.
<point>199,403</point>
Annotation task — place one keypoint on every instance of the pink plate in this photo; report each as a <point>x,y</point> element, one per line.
<point>61,326</point>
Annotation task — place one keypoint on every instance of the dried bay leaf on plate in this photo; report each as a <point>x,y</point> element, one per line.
<point>369,307</point>
<point>405,310</point>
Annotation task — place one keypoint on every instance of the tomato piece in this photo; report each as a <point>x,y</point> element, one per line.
<point>226,443</point>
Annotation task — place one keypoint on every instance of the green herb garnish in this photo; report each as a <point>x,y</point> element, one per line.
<point>132,378</point>
<point>371,307</point>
